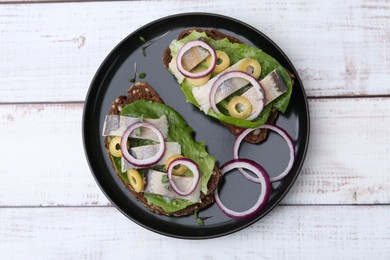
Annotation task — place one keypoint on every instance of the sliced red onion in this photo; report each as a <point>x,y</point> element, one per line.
<point>237,74</point>
<point>187,47</point>
<point>283,134</point>
<point>192,166</point>
<point>262,178</point>
<point>142,162</point>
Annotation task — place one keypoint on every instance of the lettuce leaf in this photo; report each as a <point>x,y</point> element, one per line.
<point>179,132</point>
<point>236,52</point>
<point>169,205</point>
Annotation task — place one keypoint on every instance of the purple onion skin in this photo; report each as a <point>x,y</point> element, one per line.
<point>170,178</point>
<point>225,76</point>
<point>209,71</point>
<point>267,188</point>
<point>293,152</point>
<point>124,140</point>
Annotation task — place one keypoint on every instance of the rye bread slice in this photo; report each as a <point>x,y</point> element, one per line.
<point>142,90</point>
<point>254,137</point>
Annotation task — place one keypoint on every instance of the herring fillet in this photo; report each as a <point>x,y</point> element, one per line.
<point>202,93</point>
<point>253,99</point>
<point>273,86</point>
<point>155,185</point>
<point>147,151</point>
<point>193,57</point>
<point>116,125</point>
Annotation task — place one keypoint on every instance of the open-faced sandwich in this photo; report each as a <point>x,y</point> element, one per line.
<point>238,84</point>
<point>155,155</point>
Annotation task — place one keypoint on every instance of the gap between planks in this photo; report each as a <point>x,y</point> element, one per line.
<point>349,96</point>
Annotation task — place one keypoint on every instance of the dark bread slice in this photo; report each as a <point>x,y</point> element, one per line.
<point>142,90</point>
<point>255,136</point>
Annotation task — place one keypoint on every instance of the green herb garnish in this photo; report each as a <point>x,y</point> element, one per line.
<point>198,219</point>
<point>143,51</point>
<point>138,132</point>
<point>164,179</point>
<point>142,75</point>
<point>147,44</point>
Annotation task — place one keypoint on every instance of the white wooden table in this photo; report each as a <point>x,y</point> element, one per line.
<point>50,205</point>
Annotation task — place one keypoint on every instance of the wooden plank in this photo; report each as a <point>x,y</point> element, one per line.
<point>338,232</point>
<point>50,52</point>
<point>44,157</point>
<point>346,163</point>
<point>347,160</point>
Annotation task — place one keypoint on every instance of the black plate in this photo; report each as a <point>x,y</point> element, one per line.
<point>111,81</point>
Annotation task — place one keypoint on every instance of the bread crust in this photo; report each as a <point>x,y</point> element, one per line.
<point>253,137</point>
<point>142,90</point>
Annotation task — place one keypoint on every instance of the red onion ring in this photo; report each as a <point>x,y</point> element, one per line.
<point>188,46</point>
<point>192,166</point>
<point>237,74</point>
<point>283,134</point>
<point>142,162</point>
<point>263,180</point>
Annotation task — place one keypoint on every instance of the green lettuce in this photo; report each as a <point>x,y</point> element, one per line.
<point>169,205</point>
<point>236,52</point>
<point>179,132</point>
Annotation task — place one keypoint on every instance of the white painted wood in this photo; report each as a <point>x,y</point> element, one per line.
<point>43,160</point>
<point>347,159</point>
<point>301,232</point>
<point>50,52</point>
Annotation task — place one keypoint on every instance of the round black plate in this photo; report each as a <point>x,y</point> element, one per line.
<point>111,81</point>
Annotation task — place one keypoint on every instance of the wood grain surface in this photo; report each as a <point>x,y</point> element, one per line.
<point>50,205</point>
<point>288,232</point>
<point>340,48</point>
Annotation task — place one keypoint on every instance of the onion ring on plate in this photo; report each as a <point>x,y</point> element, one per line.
<point>238,74</point>
<point>264,181</point>
<point>192,166</point>
<point>186,47</point>
<point>142,162</point>
<point>283,134</point>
